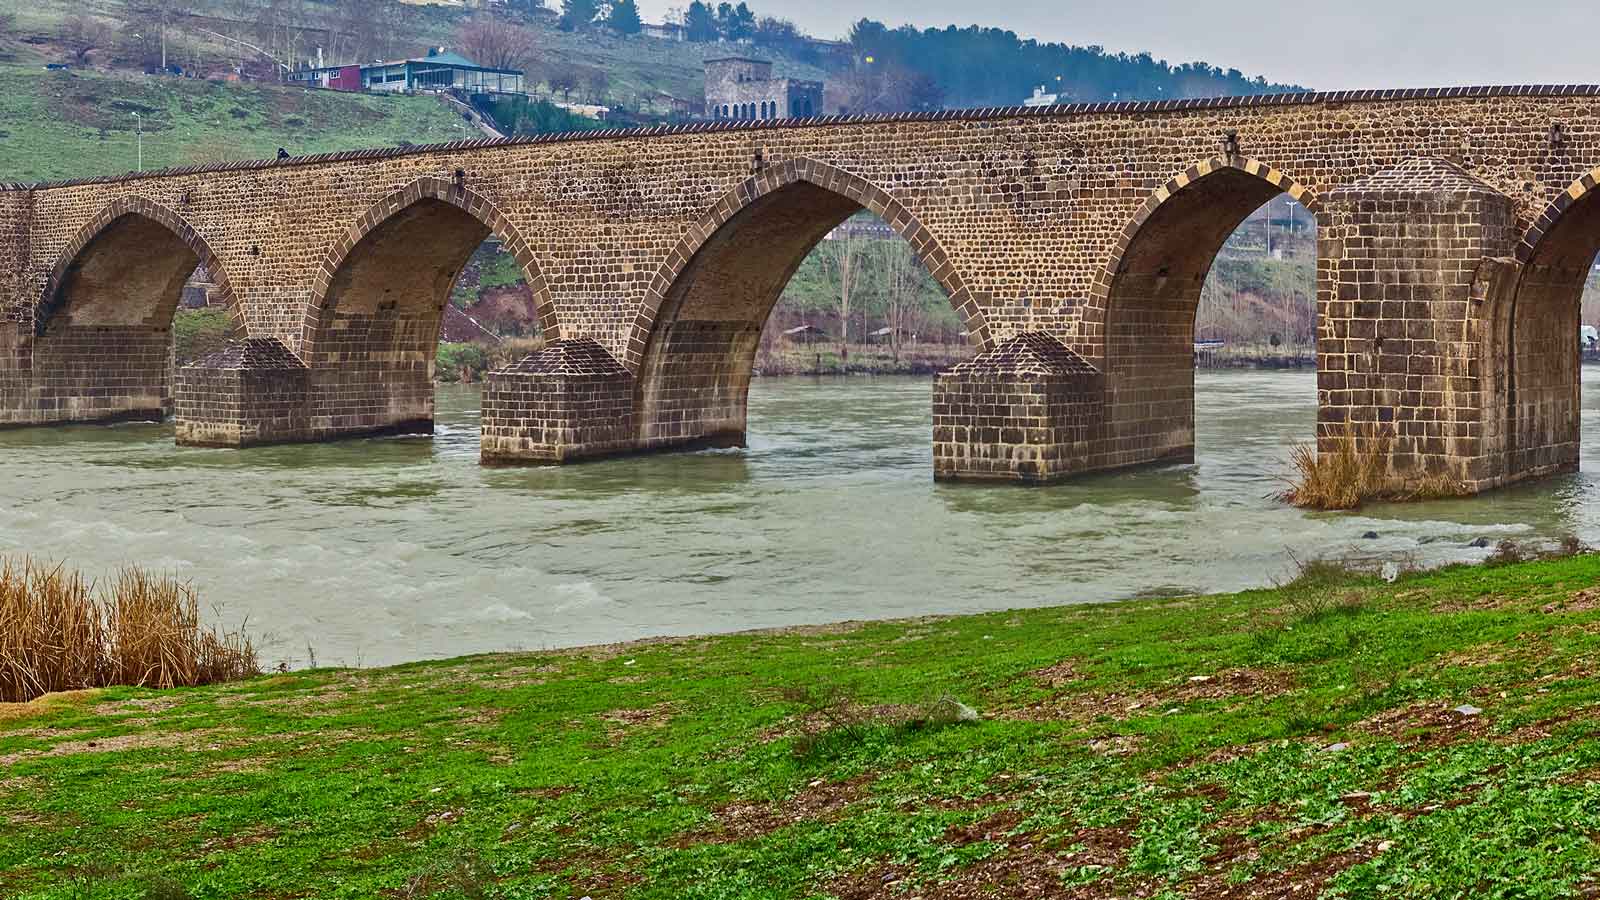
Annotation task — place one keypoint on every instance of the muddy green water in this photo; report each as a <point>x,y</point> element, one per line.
<point>379,551</point>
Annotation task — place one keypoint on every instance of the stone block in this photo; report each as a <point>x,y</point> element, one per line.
<point>252,391</point>
<point>567,402</point>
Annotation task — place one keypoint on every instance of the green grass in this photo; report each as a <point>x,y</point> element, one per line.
<point>1323,751</point>
<point>78,124</point>
<point>199,332</point>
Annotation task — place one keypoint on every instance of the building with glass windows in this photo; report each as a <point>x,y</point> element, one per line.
<point>440,70</point>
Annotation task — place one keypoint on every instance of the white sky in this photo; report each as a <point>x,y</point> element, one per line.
<point>1340,44</point>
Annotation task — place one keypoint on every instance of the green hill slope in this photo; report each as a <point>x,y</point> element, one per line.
<point>79,124</point>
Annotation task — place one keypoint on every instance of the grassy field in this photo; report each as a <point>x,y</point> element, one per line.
<point>1437,737</point>
<point>78,124</point>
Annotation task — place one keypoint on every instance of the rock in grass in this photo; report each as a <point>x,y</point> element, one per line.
<point>947,710</point>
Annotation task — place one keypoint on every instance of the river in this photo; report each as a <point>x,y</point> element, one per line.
<point>379,551</point>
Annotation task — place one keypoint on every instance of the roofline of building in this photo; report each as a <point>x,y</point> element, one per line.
<point>765,62</point>
<point>1058,111</point>
<point>401,62</point>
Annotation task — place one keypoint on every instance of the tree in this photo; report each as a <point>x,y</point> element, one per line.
<point>147,23</point>
<point>840,259</point>
<point>563,80</point>
<point>740,24</point>
<point>84,34</point>
<point>700,23</point>
<point>577,15</point>
<point>624,17</point>
<point>497,43</point>
<point>902,290</point>
<point>8,24</point>
<point>597,83</point>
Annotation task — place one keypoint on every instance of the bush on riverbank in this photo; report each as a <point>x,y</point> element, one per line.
<point>467,363</point>
<point>1356,470</point>
<point>60,633</point>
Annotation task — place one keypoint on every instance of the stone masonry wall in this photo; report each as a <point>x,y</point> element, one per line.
<point>1025,216</point>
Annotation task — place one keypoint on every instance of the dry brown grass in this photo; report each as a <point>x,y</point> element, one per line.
<point>61,633</point>
<point>1358,469</point>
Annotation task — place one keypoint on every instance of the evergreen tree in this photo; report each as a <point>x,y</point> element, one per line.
<point>700,22</point>
<point>624,17</point>
<point>577,15</point>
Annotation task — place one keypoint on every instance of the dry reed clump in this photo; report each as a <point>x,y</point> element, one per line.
<point>1358,469</point>
<point>60,633</point>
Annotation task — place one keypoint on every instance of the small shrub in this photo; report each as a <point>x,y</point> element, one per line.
<point>1506,553</point>
<point>464,873</point>
<point>462,362</point>
<point>1357,469</point>
<point>60,633</point>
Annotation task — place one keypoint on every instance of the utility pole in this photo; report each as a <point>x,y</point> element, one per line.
<point>1269,228</point>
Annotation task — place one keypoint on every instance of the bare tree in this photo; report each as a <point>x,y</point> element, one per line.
<point>85,34</point>
<point>840,258</point>
<point>497,43</point>
<point>902,290</point>
<point>597,83</point>
<point>149,24</point>
<point>563,80</point>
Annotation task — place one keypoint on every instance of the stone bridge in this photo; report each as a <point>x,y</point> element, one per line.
<point>1455,232</point>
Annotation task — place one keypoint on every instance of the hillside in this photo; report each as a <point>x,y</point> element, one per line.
<point>78,124</point>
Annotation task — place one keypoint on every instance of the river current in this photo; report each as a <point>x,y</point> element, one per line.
<point>380,551</point>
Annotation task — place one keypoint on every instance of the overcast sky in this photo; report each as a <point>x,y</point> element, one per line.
<point>1341,44</point>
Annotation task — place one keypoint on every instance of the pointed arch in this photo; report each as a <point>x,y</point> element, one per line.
<point>1533,240</point>
<point>423,190</point>
<point>1138,328</point>
<point>846,185</point>
<point>1281,182</point>
<point>119,215</point>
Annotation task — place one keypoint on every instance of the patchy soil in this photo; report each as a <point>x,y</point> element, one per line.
<point>818,801</point>
<point>1427,723</point>
<point>47,703</point>
<point>1088,706</point>
<point>619,722</point>
<point>1583,601</point>
<point>204,739</point>
<point>1298,883</point>
<point>1029,865</point>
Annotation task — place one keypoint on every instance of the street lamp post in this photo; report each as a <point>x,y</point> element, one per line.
<point>138,136</point>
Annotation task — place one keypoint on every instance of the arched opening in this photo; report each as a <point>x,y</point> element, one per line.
<point>1258,304</point>
<point>1539,398</point>
<point>694,346</point>
<point>372,334</point>
<point>104,327</point>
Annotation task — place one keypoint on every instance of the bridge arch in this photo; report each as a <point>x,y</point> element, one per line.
<point>132,249</point>
<point>371,326</point>
<point>103,322</point>
<point>692,345</point>
<point>1538,402</point>
<point>1141,318</point>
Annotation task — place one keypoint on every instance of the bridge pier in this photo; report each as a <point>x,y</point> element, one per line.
<point>1410,288</point>
<point>253,391</point>
<point>567,402</point>
<point>1028,410</point>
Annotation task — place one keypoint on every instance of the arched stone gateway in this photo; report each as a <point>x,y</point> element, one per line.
<point>1454,228</point>
<point>101,342</point>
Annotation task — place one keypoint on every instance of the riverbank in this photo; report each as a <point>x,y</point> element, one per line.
<point>1438,736</point>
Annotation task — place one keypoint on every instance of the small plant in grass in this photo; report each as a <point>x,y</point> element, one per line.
<point>1357,468</point>
<point>61,633</point>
